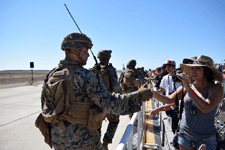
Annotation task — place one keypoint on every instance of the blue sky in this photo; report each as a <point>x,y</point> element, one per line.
<point>149,31</point>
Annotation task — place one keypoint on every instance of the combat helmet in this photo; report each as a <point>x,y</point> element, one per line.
<point>76,40</point>
<point>131,64</point>
<point>104,54</point>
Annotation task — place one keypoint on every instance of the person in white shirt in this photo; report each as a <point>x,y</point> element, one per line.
<point>167,84</point>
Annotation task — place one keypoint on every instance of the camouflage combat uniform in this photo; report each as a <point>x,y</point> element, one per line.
<point>87,84</point>
<point>137,75</point>
<point>113,78</point>
<point>114,87</point>
<point>132,88</point>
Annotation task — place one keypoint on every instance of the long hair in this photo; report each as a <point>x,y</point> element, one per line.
<point>180,111</point>
<point>208,73</point>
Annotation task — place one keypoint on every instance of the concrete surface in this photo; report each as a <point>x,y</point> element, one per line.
<point>20,105</point>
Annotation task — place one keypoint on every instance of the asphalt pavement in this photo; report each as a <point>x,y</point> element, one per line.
<point>20,104</point>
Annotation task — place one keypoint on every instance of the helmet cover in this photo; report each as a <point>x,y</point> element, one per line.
<point>76,40</point>
<point>131,63</point>
<point>104,54</point>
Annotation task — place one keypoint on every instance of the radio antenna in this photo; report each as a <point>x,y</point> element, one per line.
<point>72,18</point>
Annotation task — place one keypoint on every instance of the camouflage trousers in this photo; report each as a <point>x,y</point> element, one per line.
<point>111,130</point>
<point>75,137</point>
<point>129,90</point>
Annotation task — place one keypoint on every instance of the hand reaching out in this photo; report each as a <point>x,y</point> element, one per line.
<point>154,112</point>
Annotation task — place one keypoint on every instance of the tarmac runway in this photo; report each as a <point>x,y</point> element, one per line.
<point>20,105</point>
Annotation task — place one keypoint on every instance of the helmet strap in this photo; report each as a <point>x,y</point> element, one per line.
<point>81,61</point>
<point>78,58</point>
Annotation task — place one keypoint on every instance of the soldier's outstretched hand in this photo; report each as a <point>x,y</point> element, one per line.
<point>144,93</point>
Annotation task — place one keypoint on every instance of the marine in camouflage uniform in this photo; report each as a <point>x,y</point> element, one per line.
<point>137,76</point>
<point>109,77</point>
<point>86,85</point>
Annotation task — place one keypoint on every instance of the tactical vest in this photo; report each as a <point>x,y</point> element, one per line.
<point>59,104</point>
<point>105,77</point>
<point>104,74</point>
<point>129,77</point>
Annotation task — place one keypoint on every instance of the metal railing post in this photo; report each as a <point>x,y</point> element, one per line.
<point>128,135</point>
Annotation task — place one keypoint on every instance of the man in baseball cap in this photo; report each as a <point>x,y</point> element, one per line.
<point>169,86</point>
<point>170,62</point>
<point>167,83</point>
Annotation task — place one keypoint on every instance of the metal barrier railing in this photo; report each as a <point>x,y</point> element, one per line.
<point>136,124</point>
<point>166,132</point>
<point>127,141</point>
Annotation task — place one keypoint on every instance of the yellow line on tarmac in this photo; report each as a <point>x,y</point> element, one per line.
<point>149,137</point>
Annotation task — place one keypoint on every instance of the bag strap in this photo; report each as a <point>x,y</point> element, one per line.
<point>182,103</point>
<point>69,88</point>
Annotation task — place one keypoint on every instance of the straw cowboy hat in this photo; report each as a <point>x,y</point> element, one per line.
<point>206,62</point>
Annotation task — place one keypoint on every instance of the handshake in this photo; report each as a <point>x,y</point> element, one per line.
<point>144,93</point>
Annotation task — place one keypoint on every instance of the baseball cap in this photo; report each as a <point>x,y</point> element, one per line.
<point>169,62</point>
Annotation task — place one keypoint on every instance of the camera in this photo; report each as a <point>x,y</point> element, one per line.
<point>174,77</point>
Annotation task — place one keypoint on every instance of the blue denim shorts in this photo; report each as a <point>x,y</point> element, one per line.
<point>186,141</point>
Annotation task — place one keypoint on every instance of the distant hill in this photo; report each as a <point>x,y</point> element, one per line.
<point>35,70</point>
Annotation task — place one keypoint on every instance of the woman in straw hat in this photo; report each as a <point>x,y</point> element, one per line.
<point>201,100</point>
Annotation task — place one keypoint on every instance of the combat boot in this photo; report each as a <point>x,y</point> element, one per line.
<point>105,145</point>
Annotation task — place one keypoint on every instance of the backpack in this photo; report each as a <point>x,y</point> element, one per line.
<point>129,77</point>
<point>56,94</point>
